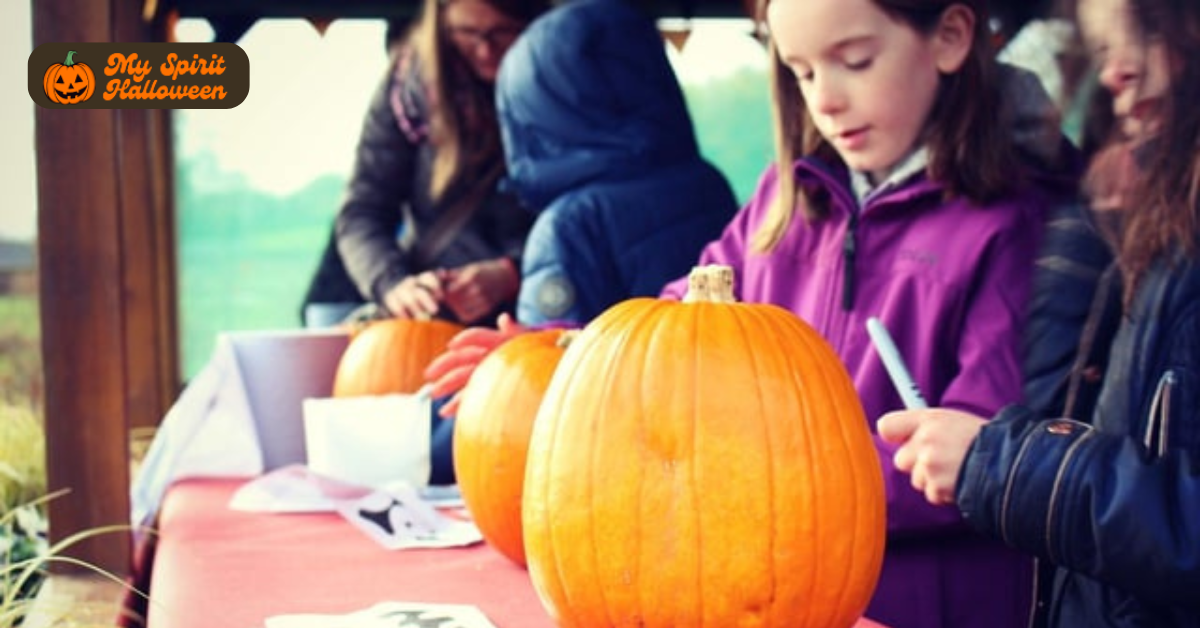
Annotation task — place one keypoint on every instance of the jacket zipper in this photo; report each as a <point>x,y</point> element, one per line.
<point>1058,477</point>
<point>849,249</point>
<point>1159,421</point>
<point>1036,601</point>
<point>1008,488</point>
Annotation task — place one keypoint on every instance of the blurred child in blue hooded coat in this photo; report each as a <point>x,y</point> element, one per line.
<point>599,144</point>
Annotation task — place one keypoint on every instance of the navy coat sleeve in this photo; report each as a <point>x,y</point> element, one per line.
<point>568,273</point>
<point>1097,503</point>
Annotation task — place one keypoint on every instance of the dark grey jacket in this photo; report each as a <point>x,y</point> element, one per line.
<point>388,207</point>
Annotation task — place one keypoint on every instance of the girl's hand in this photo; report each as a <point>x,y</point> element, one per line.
<point>451,370</point>
<point>417,296</point>
<point>933,443</point>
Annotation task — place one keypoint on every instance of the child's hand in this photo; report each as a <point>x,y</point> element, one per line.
<point>933,443</point>
<point>477,288</point>
<point>450,371</point>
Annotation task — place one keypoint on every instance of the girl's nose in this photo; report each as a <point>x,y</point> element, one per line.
<point>826,97</point>
<point>1120,72</point>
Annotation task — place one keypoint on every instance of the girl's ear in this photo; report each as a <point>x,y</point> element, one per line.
<point>953,38</point>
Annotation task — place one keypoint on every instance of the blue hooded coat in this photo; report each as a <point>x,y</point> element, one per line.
<point>599,144</point>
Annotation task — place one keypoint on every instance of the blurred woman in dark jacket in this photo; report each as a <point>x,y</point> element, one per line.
<point>1111,507</point>
<point>423,230</point>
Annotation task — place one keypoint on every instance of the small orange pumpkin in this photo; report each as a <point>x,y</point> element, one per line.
<point>390,356</point>
<point>69,82</point>
<point>492,428</point>
<point>704,463</point>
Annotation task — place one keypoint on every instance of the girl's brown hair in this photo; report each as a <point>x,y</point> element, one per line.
<point>968,152</point>
<point>462,109</point>
<point>1161,207</point>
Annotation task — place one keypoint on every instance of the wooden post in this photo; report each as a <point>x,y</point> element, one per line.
<point>106,270</point>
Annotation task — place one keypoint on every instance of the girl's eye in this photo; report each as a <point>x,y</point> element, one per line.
<point>859,64</point>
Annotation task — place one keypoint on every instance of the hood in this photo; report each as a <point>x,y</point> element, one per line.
<point>1033,118</point>
<point>587,94</point>
<point>1036,127</point>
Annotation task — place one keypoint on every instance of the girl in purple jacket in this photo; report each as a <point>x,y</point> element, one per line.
<point>898,194</point>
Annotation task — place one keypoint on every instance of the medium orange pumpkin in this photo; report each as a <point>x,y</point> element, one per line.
<point>704,463</point>
<point>492,428</point>
<point>69,82</point>
<point>390,356</point>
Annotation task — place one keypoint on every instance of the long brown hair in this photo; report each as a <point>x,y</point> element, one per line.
<point>1161,216</point>
<point>462,109</point>
<point>969,153</point>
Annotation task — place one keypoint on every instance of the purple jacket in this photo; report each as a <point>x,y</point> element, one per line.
<point>950,281</point>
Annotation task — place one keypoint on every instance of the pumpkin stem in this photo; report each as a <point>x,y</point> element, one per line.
<point>566,338</point>
<point>712,284</point>
<point>69,61</point>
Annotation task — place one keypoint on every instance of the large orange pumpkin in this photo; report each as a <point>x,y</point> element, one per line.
<point>704,463</point>
<point>491,433</point>
<point>69,82</point>
<point>390,356</point>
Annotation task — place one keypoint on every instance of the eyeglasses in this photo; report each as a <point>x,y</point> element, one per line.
<point>496,37</point>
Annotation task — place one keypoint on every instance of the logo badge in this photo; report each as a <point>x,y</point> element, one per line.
<point>139,75</point>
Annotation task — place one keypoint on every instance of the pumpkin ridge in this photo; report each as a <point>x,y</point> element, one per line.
<point>809,420</point>
<point>696,392</point>
<point>847,575</point>
<point>533,527</point>
<point>632,340</point>
<point>845,443</point>
<point>554,430</point>
<point>587,358</point>
<point>771,444</point>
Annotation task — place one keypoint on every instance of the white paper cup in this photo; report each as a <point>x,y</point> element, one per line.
<point>371,441</point>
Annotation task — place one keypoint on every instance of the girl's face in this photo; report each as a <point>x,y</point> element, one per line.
<point>481,34</point>
<point>869,81</point>
<point>1132,66</point>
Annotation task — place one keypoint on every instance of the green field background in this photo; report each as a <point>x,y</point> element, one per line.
<point>245,256</point>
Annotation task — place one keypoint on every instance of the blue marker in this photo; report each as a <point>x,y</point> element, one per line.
<point>901,379</point>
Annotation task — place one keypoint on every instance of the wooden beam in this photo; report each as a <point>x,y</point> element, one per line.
<point>83,312</point>
<point>404,9</point>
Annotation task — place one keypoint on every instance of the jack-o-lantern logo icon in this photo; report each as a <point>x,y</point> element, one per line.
<point>69,82</point>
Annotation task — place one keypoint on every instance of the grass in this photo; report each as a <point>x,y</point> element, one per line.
<point>20,352</point>
<point>25,562</point>
<point>22,457</point>
<point>23,546</point>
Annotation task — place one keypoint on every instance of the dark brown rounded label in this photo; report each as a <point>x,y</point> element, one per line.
<point>139,75</point>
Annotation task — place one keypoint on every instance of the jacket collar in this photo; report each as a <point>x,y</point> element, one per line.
<point>909,167</point>
<point>814,172</point>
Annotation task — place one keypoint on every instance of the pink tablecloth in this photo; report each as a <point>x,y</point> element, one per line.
<point>219,568</point>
